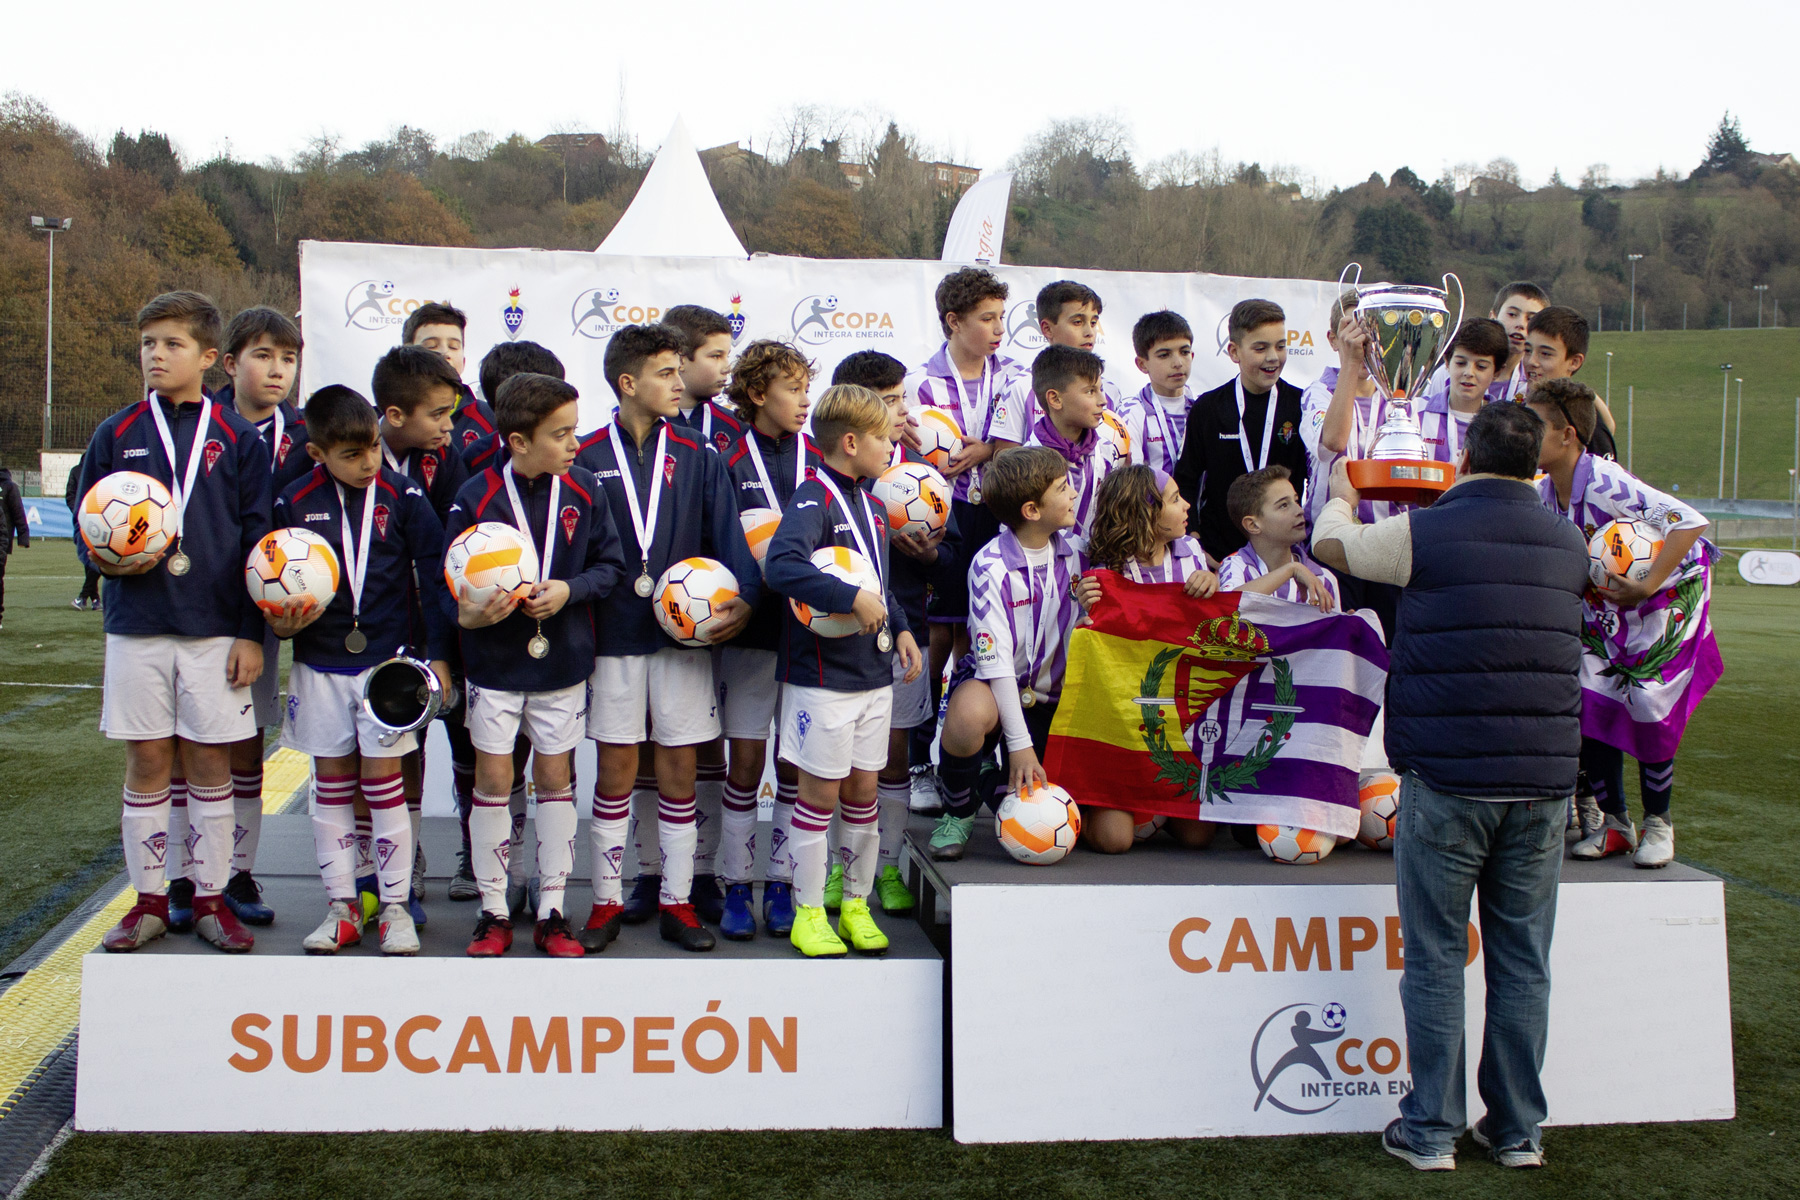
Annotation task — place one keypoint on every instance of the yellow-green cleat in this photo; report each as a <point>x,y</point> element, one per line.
<point>812,934</point>
<point>890,889</point>
<point>834,887</point>
<point>856,925</point>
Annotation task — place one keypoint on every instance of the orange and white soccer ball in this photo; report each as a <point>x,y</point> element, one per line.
<point>689,597</point>
<point>940,437</point>
<point>1292,845</point>
<point>840,562</point>
<point>126,518</point>
<point>1378,795</point>
<point>1147,826</point>
<point>917,498</point>
<point>291,564</point>
<point>1623,547</point>
<point>760,525</point>
<point>1115,440</point>
<point>1038,826</point>
<point>487,558</point>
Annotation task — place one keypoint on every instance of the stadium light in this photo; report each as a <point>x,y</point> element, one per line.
<point>1737,443</point>
<point>1634,262</point>
<point>51,226</point>
<point>1724,413</point>
<point>1759,289</point>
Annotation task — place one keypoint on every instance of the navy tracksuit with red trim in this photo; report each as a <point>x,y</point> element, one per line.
<point>764,630</point>
<point>713,425</point>
<point>470,421</point>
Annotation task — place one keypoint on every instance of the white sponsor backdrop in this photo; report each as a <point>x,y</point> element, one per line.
<point>355,297</point>
<point>1140,1012</point>
<point>812,1045</point>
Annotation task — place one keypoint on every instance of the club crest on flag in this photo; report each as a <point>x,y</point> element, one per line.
<point>512,315</point>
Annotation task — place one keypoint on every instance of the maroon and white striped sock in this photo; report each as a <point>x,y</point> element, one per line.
<point>737,838</point>
<point>144,830</point>
<point>675,839</point>
<point>606,834</point>
<point>808,853</point>
<point>334,833</point>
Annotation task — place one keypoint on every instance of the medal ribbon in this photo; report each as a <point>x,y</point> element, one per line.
<point>1041,623</point>
<point>984,398</point>
<point>868,515</point>
<point>400,467</point>
<point>181,489</point>
<point>523,520</point>
<point>645,529</point>
<point>762,472</point>
<point>1268,427</point>
<point>356,556</point>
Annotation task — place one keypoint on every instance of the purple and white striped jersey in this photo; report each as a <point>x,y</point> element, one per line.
<point>1089,462</point>
<point>1182,558</point>
<point>1445,430</point>
<point>1017,409</point>
<point>1240,568</point>
<point>1511,386</point>
<point>1603,491</point>
<point>1371,411</point>
<point>971,401</point>
<point>1157,425</point>
<point>1020,615</point>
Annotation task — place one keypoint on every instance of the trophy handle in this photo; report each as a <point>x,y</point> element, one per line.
<point>1358,281</point>
<point>1443,351</point>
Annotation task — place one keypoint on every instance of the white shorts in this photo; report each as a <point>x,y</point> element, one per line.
<point>749,695</point>
<point>159,685</point>
<point>674,686</point>
<point>263,691</point>
<point>325,717</point>
<point>826,733</point>
<point>912,701</point>
<point>554,721</point>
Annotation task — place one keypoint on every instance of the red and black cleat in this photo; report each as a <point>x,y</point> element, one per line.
<point>145,921</point>
<point>602,927</point>
<point>493,937</point>
<point>215,922</point>
<point>552,936</point>
<point>681,926</point>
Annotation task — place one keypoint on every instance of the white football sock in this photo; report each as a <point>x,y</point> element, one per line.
<point>521,859</point>
<point>737,836</point>
<point>808,854</point>
<point>246,807</point>
<point>180,860</point>
<point>334,834</point>
<point>490,846</point>
<point>555,850</point>
<point>781,850</point>
<point>675,840</point>
<point>861,843</point>
<point>211,824</point>
<point>144,829</point>
<point>606,834</point>
<point>365,849</point>
<point>709,793</point>
<point>392,837</point>
<point>644,833</point>
<point>893,799</point>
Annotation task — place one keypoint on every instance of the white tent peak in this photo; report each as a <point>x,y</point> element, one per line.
<point>675,212</point>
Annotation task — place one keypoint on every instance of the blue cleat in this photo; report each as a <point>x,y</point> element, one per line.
<point>738,923</point>
<point>181,905</point>
<point>644,901</point>
<point>778,908</point>
<point>243,896</point>
<point>415,910</point>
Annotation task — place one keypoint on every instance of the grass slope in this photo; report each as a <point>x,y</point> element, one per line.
<point>59,808</point>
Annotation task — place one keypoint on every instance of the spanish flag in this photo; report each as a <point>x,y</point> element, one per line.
<point>1239,708</point>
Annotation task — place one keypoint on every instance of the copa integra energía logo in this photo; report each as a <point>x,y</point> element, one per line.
<point>373,304</point>
<point>822,318</point>
<point>1308,1057</point>
<point>600,312</point>
<point>1022,329</point>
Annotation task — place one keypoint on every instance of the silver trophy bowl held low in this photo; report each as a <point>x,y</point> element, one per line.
<point>403,696</point>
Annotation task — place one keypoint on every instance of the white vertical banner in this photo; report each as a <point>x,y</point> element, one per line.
<point>355,298</point>
<point>978,226</point>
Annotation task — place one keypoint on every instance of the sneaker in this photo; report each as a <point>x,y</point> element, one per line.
<point>1656,847</point>
<point>181,905</point>
<point>682,926</point>
<point>219,925</point>
<point>778,907</point>
<point>398,936</point>
<point>834,887</point>
<point>1588,818</point>
<point>950,837</point>
<point>603,923</point>
<point>418,879</point>
<point>644,900</point>
<point>812,934</point>
<point>1519,1154</point>
<point>368,896</point>
<point>707,899</point>
<point>856,925</point>
<point>1615,836</point>
<point>462,884</point>
<point>1421,1160</point>
<point>143,922</point>
<point>243,895</point>
<point>736,921</point>
<point>552,936</point>
<point>341,927</point>
<point>518,900</point>
<point>493,936</point>
<point>891,890</point>
<point>78,603</point>
<point>927,797</point>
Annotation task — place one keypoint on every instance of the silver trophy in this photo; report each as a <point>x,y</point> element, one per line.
<point>403,695</point>
<point>1409,330</point>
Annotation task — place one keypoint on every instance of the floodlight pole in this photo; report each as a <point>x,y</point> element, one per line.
<point>1724,413</point>
<point>51,226</point>
<point>1630,410</point>
<point>1609,355</point>
<point>1737,443</point>
<point>1759,289</point>
<point>1634,262</point>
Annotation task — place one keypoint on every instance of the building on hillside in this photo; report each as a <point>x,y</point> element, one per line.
<point>951,178</point>
<point>1785,162</point>
<point>856,174</point>
<point>565,143</point>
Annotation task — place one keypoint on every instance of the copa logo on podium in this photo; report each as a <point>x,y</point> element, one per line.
<point>818,319</point>
<point>600,312</point>
<point>373,304</point>
<point>1295,1049</point>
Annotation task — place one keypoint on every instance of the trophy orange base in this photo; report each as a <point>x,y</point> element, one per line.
<point>1407,481</point>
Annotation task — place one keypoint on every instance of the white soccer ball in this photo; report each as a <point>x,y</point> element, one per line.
<point>1627,548</point>
<point>1039,826</point>
<point>940,437</point>
<point>690,595</point>
<point>840,562</point>
<point>291,564</point>
<point>1378,796</point>
<point>1293,845</point>
<point>1115,440</point>
<point>487,558</point>
<point>917,498</point>
<point>760,525</point>
<point>126,518</point>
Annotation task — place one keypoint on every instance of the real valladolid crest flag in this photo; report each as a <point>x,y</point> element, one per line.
<point>1239,708</point>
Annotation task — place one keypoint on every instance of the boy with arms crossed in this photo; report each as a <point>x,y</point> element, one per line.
<point>383,531</point>
<point>183,637</point>
<point>837,693</point>
<point>1157,417</point>
<point>528,661</point>
<point>671,499</point>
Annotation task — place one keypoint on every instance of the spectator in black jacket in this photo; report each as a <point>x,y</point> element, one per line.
<point>12,517</point>
<point>90,584</point>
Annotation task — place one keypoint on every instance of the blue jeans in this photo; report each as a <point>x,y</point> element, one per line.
<point>1508,856</point>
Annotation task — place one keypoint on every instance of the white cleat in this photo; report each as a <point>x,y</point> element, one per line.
<point>418,875</point>
<point>397,933</point>
<point>927,797</point>
<point>1588,817</point>
<point>1656,848</point>
<point>1615,836</point>
<point>341,927</point>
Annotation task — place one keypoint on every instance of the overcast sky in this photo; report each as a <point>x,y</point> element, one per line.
<point>1329,89</point>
